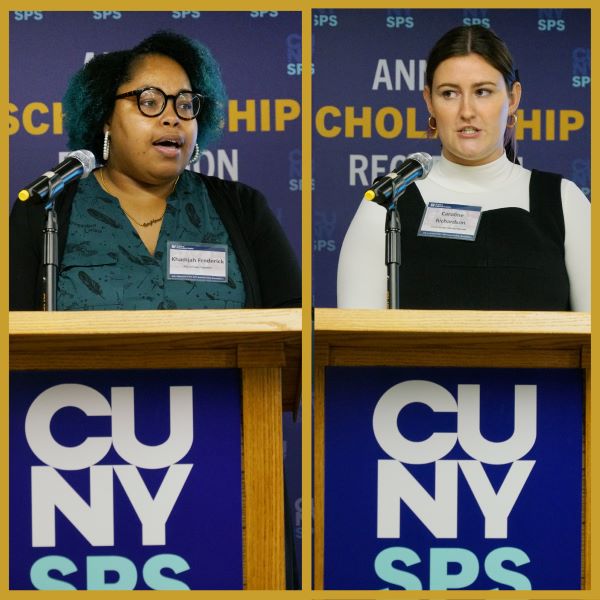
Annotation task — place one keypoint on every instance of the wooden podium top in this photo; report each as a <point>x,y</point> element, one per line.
<point>159,339</point>
<point>232,325</point>
<point>449,338</point>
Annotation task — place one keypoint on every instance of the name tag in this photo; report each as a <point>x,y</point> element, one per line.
<point>197,262</point>
<point>450,221</point>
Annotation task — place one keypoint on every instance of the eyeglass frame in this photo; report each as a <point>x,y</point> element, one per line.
<point>137,93</point>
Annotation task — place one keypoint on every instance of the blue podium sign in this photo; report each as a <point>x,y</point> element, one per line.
<point>125,480</point>
<point>453,478</point>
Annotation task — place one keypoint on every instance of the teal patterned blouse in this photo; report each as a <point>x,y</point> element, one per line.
<point>107,267</point>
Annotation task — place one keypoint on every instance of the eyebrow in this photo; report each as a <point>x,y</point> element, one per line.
<point>477,84</point>
<point>156,87</point>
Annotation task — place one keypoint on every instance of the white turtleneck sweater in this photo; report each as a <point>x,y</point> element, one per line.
<point>362,274</point>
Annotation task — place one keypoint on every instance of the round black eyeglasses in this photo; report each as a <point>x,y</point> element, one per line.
<point>152,101</point>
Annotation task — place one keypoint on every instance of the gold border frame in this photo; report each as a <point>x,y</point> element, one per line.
<point>305,6</point>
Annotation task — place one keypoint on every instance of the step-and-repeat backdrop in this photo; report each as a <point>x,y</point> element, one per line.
<point>368,78</point>
<point>259,53</point>
<point>260,57</point>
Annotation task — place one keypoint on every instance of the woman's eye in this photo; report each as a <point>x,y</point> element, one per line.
<point>483,92</point>
<point>448,94</point>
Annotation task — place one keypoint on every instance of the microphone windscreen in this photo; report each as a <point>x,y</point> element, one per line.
<point>86,158</point>
<point>425,160</point>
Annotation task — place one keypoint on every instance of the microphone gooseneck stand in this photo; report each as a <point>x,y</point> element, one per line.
<point>393,250</point>
<point>393,255</point>
<point>385,191</point>
<point>79,163</point>
<point>50,253</point>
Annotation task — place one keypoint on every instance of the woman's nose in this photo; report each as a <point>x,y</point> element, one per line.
<point>170,116</point>
<point>467,107</point>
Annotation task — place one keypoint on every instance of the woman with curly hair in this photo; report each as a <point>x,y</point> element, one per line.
<point>143,232</point>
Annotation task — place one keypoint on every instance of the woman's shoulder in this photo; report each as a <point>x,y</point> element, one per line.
<point>570,192</point>
<point>237,196</point>
<point>35,212</point>
<point>222,186</point>
<point>574,197</point>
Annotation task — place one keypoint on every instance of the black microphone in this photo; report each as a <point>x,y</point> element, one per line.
<point>79,163</point>
<point>386,189</point>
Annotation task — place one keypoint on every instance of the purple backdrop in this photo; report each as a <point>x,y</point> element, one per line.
<point>259,53</point>
<point>368,81</point>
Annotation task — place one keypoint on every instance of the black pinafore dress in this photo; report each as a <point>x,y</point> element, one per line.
<point>515,263</point>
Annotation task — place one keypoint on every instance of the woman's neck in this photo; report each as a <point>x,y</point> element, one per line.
<point>123,186</point>
<point>496,172</point>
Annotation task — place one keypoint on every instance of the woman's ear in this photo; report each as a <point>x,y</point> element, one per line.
<point>427,98</point>
<point>514,97</point>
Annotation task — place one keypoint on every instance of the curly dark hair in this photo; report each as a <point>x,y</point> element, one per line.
<point>90,96</point>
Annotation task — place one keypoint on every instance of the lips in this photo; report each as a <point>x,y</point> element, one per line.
<point>469,130</point>
<point>169,146</point>
<point>169,141</point>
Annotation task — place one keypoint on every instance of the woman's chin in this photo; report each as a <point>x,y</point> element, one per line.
<point>167,170</point>
<point>469,156</point>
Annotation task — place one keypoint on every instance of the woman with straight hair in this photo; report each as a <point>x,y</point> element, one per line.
<point>480,231</point>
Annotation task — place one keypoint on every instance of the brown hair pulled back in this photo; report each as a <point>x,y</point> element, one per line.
<point>475,39</point>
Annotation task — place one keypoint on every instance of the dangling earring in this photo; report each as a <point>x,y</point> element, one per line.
<point>429,124</point>
<point>106,146</point>
<point>195,154</point>
<point>514,121</point>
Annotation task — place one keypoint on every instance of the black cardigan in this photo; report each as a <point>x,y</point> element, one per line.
<point>268,264</point>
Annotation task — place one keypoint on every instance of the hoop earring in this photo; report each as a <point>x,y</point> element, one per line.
<point>106,146</point>
<point>195,155</point>
<point>514,121</point>
<point>434,126</point>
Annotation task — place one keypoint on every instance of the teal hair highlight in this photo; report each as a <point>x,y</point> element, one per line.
<point>89,99</point>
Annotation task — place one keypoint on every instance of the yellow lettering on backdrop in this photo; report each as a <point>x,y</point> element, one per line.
<point>322,129</point>
<point>28,124</point>
<point>236,114</point>
<point>285,110</point>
